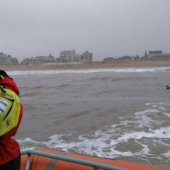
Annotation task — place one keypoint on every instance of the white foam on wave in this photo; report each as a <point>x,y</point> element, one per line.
<point>158,104</point>
<point>162,133</point>
<point>113,141</point>
<point>167,114</point>
<point>167,154</point>
<point>144,116</point>
<point>102,143</point>
<point>160,108</point>
<point>142,119</point>
<point>116,70</point>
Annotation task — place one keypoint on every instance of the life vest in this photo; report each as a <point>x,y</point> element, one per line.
<point>10,107</point>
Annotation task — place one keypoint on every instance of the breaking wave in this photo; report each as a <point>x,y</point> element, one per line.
<point>116,70</point>
<point>119,140</point>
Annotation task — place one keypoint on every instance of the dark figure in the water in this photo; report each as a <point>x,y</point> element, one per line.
<point>167,87</point>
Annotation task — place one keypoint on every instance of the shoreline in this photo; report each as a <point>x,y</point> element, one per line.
<point>93,65</point>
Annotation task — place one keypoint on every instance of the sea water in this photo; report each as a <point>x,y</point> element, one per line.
<point>113,113</point>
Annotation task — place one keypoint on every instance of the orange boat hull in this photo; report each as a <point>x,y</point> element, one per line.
<point>44,163</point>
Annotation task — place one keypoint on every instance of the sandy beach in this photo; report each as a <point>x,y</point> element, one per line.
<point>93,65</point>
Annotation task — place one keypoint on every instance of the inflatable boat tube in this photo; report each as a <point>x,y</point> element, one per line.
<point>52,159</point>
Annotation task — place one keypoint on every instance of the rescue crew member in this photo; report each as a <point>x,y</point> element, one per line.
<point>11,112</point>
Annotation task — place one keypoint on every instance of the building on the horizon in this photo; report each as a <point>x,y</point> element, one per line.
<point>123,58</point>
<point>71,56</point>
<point>86,57</point>
<point>109,59</point>
<point>7,59</point>
<point>67,56</point>
<point>39,60</point>
<point>152,54</point>
<point>156,55</point>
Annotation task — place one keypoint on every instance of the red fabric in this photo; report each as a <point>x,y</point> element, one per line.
<point>9,147</point>
<point>10,84</point>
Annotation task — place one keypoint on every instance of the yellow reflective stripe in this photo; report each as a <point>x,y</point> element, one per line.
<point>5,106</point>
<point>4,102</point>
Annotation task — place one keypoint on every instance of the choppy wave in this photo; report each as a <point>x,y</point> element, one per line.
<point>131,111</point>
<point>116,70</point>
<point>119,140</point>
<point>101,144</point>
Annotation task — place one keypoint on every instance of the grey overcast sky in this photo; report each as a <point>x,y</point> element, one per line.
<point>107,28</point>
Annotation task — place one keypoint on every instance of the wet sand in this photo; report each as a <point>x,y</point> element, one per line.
<point>93,65</point>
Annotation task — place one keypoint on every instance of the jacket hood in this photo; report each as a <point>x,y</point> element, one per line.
<point>9,83</point>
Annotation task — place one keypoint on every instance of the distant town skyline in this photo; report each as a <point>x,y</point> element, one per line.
<point>80,53</point>
<point>107,28</point>
<point>70,56</point>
